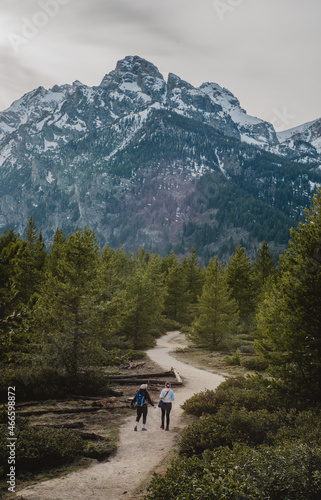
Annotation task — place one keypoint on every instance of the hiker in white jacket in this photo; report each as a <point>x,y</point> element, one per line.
<point>166,398</point>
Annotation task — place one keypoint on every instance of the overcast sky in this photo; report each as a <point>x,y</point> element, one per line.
<point>267,52</point>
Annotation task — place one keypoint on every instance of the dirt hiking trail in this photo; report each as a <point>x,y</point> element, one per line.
<point>138,453</point>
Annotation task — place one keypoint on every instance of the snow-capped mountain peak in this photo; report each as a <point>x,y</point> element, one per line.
<point>104,155</point>
<point>135,76</point>
<point>135,86</point>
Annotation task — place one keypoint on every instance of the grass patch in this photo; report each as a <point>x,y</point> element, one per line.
<point>226,363</point>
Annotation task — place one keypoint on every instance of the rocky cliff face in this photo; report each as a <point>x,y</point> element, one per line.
<point>151,162</point>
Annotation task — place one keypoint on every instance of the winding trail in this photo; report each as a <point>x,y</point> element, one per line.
<point>139,452</point>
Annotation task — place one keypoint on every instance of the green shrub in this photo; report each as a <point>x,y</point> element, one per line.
<point>304,426</point>
<point>234,360</point>
<point>187,479</point>
<point>205,402</point>
<point>252,393</point>
<point>169,325</point>
<point>229,426</point>
<point>38,449</point>
<point>254,363</point>
<point>288,472</point>
<point>39,384</point>
<point>247,349</point>
<point>136,355</point>
<point>100,451</point>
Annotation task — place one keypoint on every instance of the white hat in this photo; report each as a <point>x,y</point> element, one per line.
<point>143,386</point>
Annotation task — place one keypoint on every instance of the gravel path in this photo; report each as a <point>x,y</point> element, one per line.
<point>139,452</point>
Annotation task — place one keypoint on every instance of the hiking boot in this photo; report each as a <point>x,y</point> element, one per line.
<point>167,428</point>
<point>162,427</point>
<point>135,428</point>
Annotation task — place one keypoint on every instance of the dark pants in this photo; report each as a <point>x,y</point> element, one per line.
<point>141,410</point>
<point>166,409</point>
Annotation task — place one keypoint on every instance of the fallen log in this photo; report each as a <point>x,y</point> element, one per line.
<point>68,410</point>
<point>73,425</point>
<point>140,376</point>
<point>71,397</point>
<point>149,381</point>
<point>177,376</point>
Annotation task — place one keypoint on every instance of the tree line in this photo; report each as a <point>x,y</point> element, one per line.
<point>77,306</point>
<point>74,304</point>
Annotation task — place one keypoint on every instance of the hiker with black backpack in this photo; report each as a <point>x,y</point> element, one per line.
<point>142,398</point>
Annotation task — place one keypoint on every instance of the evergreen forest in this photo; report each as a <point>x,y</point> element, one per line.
<point>70,311</point>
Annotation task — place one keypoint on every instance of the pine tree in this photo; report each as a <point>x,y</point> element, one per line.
<point>194,276</point>
<point>55,253</point>
<point>65,315</point>
<point>32,263</point>
<point>11,249</point>
<point>145,299</point>
<point>168,261</point>
<point>217,311</point>
<point>176,296</point>
<point>31,233</point>
<point>115,270</point>
<point>239,274</point>
<point>289,319</point>
<point>265,266</point>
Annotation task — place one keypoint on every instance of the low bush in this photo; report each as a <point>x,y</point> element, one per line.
<point>254,363</point>
<point>169,325</point>
<point>100,451</point>
<point>247,349</point>
<point>234,360</point>
<point>251,393</point>
<point>207,401</point>
<point>33,384</point>
<point>135,355</point>
<point>37,449</point>
<point>303,426</point>
<point>228,427</point>
<point>187,479</point>
<point>291,471</point>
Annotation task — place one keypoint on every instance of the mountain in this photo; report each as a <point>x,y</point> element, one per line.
<point>154,163</point>
<point>305,141</point>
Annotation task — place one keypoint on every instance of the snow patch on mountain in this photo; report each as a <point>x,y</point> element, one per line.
<point>309,132</point>
<point>5,154</point>
<point>50,178</point>
<point>49,145</point>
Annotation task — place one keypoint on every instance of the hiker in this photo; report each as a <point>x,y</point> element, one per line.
<point>166,398</point>
<point>142,398</point>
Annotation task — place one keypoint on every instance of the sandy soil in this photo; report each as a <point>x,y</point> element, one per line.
<point>139,453</point>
